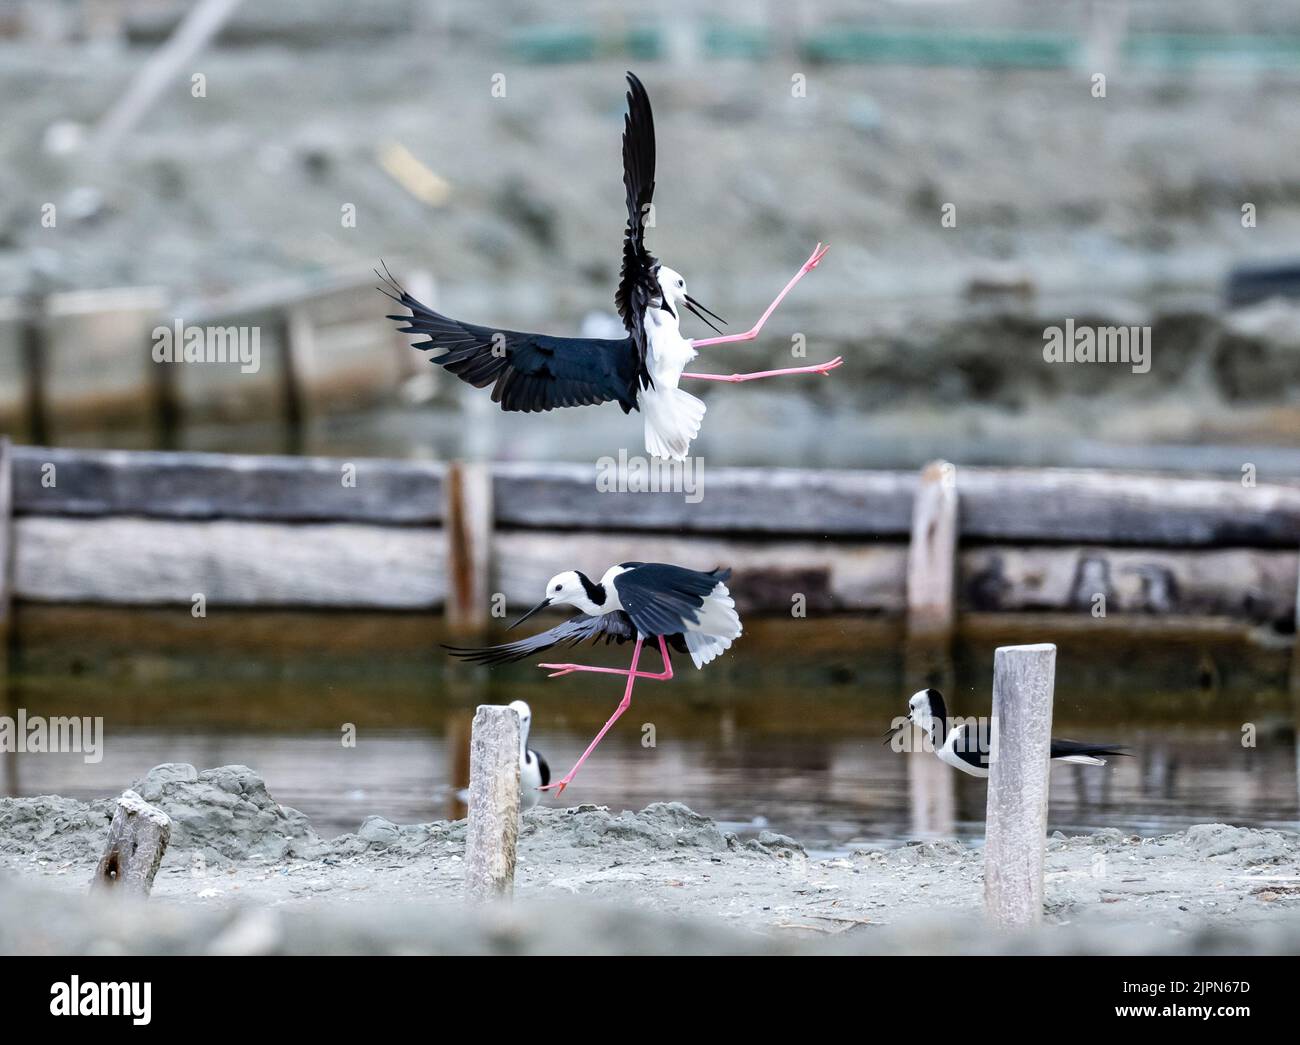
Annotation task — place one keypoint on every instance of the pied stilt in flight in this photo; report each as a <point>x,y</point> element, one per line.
<point>534,372</point>
<point>690,611</point>
<point>964,747</point>
<point>534,773</point>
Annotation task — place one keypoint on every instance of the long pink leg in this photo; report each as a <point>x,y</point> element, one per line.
<point>559,786</point>
<point>813,261</point>
<point>820,368</point>
<point>660,676</point>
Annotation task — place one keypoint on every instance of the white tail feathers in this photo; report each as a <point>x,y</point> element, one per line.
<point>672,420</point>
<point>717,627</point>
<point>1083,760</point>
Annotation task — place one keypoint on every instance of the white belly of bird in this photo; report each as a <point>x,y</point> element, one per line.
<point>530,779</point>
<point>672,416</point>
<point>948,754</point>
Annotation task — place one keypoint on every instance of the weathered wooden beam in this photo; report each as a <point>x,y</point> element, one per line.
<point>493,829</point>
<point>1046,505</point>
<point>767,575</point>
<point>736,501</point>
<point>468,531</point>
<point>1102,507</point>
<point>144,561</point>
<point>931,554</point>
<point>158,562</point>
<point>1015,835</point>
<point>137,839</point>
<point>6,538</point>
<point>1242,583</point>
<point>212,486</point>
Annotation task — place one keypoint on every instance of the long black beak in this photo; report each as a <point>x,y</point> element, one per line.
<point>536,609</point>
<point>700,311</point>
<point>890,733</point>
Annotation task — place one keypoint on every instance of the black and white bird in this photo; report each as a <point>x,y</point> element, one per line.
<point>690,611</point>
<point>966,747</point>
<point>534,773</point>
<point>535,372</point>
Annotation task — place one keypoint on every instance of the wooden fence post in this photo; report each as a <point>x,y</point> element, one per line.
<point>493,829</point>
<point>467,523</point>
<point>1016,824</point>
<point>137,839</point>
<point>6,537</point>
<point>931,555</point>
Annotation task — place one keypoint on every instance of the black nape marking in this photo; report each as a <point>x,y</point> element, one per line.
<point>595,592</point>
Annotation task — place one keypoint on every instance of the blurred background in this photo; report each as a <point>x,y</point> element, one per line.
<point>219,162</point>
<point>478,154</point>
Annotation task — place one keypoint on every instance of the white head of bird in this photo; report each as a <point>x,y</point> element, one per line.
<point>921,708</point>
<point>672,288</point>
<point>525,714</point>
<point>572,588</point>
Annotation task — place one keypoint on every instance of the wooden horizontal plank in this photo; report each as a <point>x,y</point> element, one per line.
<point>50,481</point>
<point>767,576</point>
<point>1098,507</point>
<point>135,561</point>
<point>1241,583</point>
<point>727,500</point>
<point>1030,505</point>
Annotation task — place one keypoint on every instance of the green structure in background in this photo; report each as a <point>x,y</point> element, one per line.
<point>920,47</point>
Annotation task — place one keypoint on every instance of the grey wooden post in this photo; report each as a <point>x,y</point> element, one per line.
<point>931,555</point>
<point>1016,824</point>
<point>137,839</point>
<point>493,828</point>
<point>6,535</point>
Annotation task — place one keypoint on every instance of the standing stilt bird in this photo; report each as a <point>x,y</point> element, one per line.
<point>690,611</point>
<point>963,747</point>
<point>534,773</point>
<point>534,372</point>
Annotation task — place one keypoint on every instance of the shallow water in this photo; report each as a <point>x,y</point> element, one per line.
<point>784,733</point>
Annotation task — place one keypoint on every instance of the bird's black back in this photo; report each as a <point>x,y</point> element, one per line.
<point>661,599</point>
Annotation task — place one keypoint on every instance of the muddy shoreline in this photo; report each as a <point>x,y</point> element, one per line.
<point>247,875</point>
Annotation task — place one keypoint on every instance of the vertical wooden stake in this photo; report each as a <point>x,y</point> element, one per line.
<point>35,343</point>
<point>1016,825</point>
<point>296,338</point>
<point>1295,649</point>
<point>931,556</point>
<point>6,537</point>
<point>467,522</point>
<point>6,599</point>
<point>137,839</point>
<point>493,828</point>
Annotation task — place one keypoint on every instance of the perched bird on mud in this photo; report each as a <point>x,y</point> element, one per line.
<point>690,611</point>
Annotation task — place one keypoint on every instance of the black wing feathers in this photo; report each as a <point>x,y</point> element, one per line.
<point>528,372</point>
<point>614,627</point>
<point>662,599</point>
<point>638,283</point>
<point>1065,748</point>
